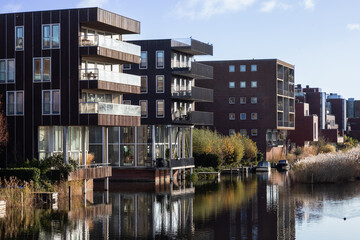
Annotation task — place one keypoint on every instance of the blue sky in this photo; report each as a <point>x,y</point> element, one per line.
<point>320,37</point>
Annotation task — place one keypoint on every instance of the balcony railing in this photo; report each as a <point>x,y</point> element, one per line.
<point>195,94</point>
<point>109,109</point>
<point>106,42</point>
<point>281,107</point>
<point>197,70</point>
<point>285,124</point>
<point>193,117</point>
<point>192,46</point>
<point>109,76</point>
<point>292,109</point>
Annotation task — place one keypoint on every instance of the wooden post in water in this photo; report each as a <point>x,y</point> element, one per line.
<point>69,198</point>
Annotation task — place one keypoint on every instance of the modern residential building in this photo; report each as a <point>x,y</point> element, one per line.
<point>337,107</point>
<point>62,84</point>
<point>255,98</point>
<point>167,98</point>
<point>317,103</point>
<point>307,129</point>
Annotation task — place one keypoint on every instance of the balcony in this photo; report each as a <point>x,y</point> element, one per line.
<point>197,94</point>
<point>286,124</point>
<point>109,114</point>
<point>193,118</point>
<point>183,162</point>
<point>109,80</point>
<point>109,49</point>
<point>292,109</point>
<point>196,70</point>
<point>286,93</point>
<point>192,46</point>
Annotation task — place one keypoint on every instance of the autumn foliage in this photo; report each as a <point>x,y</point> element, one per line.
<point>3,129</point>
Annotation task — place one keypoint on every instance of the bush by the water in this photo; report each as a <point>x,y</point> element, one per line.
<point>24,174</point>
<point>328,168</point>
<point>207,160</point>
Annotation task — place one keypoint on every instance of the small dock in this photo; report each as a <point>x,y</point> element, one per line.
<point>217,174</point>
<point>47,199</point>
<point>237,171</point>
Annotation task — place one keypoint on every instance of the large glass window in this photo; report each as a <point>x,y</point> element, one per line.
<point>242,116</point>
<point>231,84</point>
<point>160,108</point>
<point>242,68</point>
<point>160,59</point>
<point>160,84</point>
<point>51,36</point>
<point>7,71</point>
<point>14,103</point>
<point>50,102</point>
<point>19,38</point>
<point>143,60</point>
<point>44,142</point>
<point>242,84</point>
<point>144,85</point>
<point>144,108</point>
<point>254,68</point>
<point>96,144</point>
<point>144,147</point>
<point>231,68</point>
<point>42,70</point>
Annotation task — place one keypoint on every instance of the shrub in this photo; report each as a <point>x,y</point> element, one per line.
<point>23,174</point>
<point>298,151</point>
<point>207,160</point>
<point>250,148</point>
<point>328,148</point>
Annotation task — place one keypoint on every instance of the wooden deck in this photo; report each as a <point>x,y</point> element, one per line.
<point>90,173</point>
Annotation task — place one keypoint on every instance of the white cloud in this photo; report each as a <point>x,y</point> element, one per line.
<point>207,8</point>
<point>272,4</point>
<point>309,4</point>
<point>353,26</point>
<point>92,3</point>
<point>11,8</point>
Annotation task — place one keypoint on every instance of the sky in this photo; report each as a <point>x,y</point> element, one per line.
<point>320,37</point>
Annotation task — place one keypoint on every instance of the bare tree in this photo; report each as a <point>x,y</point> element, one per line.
<point>3,129</point>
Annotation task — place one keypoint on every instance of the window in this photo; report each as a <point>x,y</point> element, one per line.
<point>232,68</point>
<point>232,132</point>
<point>231,100</point>
<point>14,103</point>
<point>231,116</point>
<point>253,116</point>
<point>253,100</point>
<point>242,68</point>
<point>50,36</point>
<point>7,71</point>
<point>160,108</point>
<point>127,66</point>
<point>254,132</point>
<point>127,102</point>
<point>231,84</point>
<point>144,85</point>
<point>242,84</point>
<point>254,68</point>
<point>160,84</point>
<point>242,116</point>
<point>144,108</point>
<point>19,38</point>
<point>42,70</point>
<point>160,61</point>
<point>243,132</point>
<point>254,84</point>
<point>50,102</point>
<point>242,100</point>
<point>143,60</point>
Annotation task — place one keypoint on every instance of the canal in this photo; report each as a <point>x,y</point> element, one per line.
<point>261,206</point>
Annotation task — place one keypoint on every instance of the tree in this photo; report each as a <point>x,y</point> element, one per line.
<point>3,129</point>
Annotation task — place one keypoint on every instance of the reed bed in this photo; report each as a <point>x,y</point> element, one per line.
<point>328,168</point>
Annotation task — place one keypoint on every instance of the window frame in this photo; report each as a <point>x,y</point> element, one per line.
<point>254,116</point>
<point>157,111</point>
<point>254,98</point>
<point>156,59</point>
<point>243,132</point>
<point>147,57</point>
<point>242,98</point>
<point>41,69</point>
<point>254,132</point>
<point>7,70</point>
<point>15,103</point>
<point>147,108</point>
<point>232,98</point>
<point>232,131</point>
<point>51,102</point>
<point>125,68</point>
<point>126,102</point>
<point>254,84</point>
<point>156,83</point>
<point>232,118</point>
<point>253,67</point>
<point>23,37</point>
<point>50,36</point>
<point>242,65</point>
<point>241,118</point>
<point>242,83</point>
<point>146,78</point>
<point>231,67</point>
<point>233,83</point>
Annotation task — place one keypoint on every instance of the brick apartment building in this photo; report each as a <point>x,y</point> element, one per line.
<point>255,98</point>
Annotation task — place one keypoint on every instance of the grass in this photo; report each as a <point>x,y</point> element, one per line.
<point>328,168</point>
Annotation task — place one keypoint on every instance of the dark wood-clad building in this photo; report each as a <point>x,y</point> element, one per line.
<point>62,83</point>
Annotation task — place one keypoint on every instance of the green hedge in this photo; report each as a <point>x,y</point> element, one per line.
<point>25,174</point>
<point>207,160</point>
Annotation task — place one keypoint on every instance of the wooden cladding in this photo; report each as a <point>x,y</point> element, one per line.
<point>130,25</point>
<point>110,86</point>
<point>116,120</point>
<point>90,173</point>
<point>126,57</point>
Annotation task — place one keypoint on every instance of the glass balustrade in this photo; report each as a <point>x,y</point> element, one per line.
<point>110,108</point>
<point>109,76</point>
<point>107,42</point>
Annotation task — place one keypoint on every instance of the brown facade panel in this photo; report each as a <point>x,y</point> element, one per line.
<point>109,86</point>
<point>116,120</point>
<point>108,55</point>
